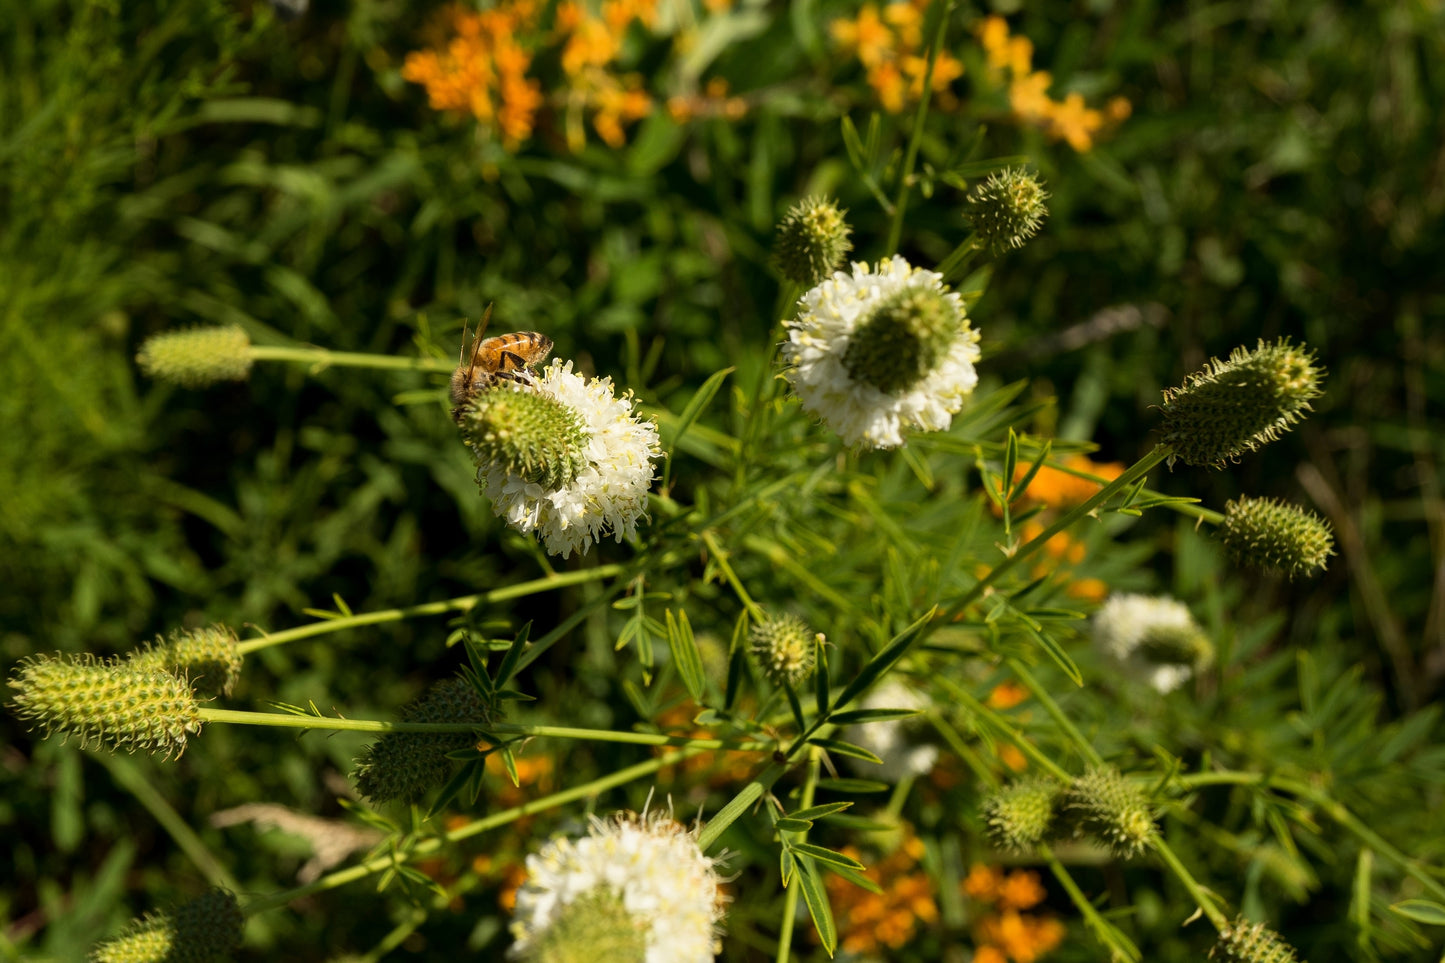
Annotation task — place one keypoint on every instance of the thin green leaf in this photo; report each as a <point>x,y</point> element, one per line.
<point>825,855</point>
<point>896,648</point>
<point>845,749</point>
<point>818,812</point>
<point>816,896</point>
<point>1024,482</point>
<point>729,814</point>
<point>514,655</point>
<point>685,654</point>
<point>1010,464</point>
<point>788,824</point>
<point>858,716</point>
<point>854,785</point>
<point>737,661</point>
<point>795,705</point>
<point>1056,652</point>
<point>1421,911</point>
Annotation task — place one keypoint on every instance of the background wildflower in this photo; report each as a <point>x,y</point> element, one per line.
<point>1152,636</point>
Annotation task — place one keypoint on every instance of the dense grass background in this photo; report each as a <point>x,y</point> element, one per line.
<point>171,164</point>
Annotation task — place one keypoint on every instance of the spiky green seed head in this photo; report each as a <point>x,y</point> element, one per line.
<point>594,926</point>
<point>1021,815</point>
<point>1276,536</point>
<point>785,649</point>
<point>1248,942</point>
<point>203,930</point>
<point>1007,209</point>
<point>1109,808</point>
<point>208,657</point>
<point>407,765</point>
<point>106,702</point>
<point>1236,406</point>
<point>812,241</point>
<point>904,339</point>
<point>530,435</point>
<point>197,357</point>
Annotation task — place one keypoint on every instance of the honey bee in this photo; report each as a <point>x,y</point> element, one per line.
<point>505,357</point>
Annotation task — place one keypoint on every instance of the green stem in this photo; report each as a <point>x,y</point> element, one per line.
<point>1101,927</point>
<point>790,901</point>
<point>429,846</point>
<point>1086,749</point>
<point>322,358</point>
<point>915,140</point>
<point>1136,471</point>
<point>720,557</point>
<point>288,721</point>
<point>1206,903</point>
<point>128,775</point>
<point>1335,810</point>
<point>959,256</point>
<point>464,603</point>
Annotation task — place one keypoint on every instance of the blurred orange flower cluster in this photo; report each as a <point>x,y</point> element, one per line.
<point>482,64</point>
<point>891,48</point>
<point>1068,119</point>
<point>1006,932</point>
<point>868,922</point>
<point>1061,487</point>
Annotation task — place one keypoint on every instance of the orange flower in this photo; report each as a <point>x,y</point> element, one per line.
<point>1057,488</point>
<point>1006,695</point>
<point>891,49</point>
<point>1007,933</point>
<point>1075,123</point>
<point>1021,890</point>
<point>868,921</point>
<point>982,882</point>
<point>1012,756</point>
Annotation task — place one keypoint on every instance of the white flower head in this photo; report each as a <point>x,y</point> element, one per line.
<point>609,492</point>
<point>1153,636</point>
<point>880,352</point>
<point>648,866</point>
<point>894,740</point>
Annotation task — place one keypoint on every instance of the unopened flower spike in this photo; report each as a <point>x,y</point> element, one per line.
<point>1021,815</point>
<point>1235,406</point>
<point>209,658</point>
<point>812,241</point>
<point>1007,209</point>
<point>880,352</point>
<point>1246,942</point>
<point>563,457</point>
<point>637,887</point>
<point>197,357</point>
<point>408,765</point>
<point>785,649</point>
<point>1153,637</point>
<point>106,702</point>
<point>1109,808</point>
<point>206,928</point>
<point>1276,536</point>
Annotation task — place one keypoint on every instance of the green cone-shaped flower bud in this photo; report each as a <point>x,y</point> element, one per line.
<point>594,926</point>
<point>1248,942</point>
<point>197,357</point>
<point>785,649</point>
<point>106,702</point>
<point>1276,536</point>
<point>209,658</point>
<point>528,434</point>
<point>206,929</point>
<point>1020,816</point>
<point>1110,809</point>
<point>812,241</point>
<point>406,765</point>
<point>904,339</point>
<point>1008,208</point>
<point>1239,405</point>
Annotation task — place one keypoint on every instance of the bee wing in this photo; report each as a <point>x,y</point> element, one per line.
<point>477,340</point>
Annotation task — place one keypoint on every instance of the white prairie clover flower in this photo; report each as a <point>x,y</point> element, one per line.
<point>602,488</point>
<point>1153,635</point>
<point>894,741</point>
<point>879,352</point>
<point>633,874</point>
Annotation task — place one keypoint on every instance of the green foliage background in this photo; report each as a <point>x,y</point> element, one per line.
<point>170,164</point>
